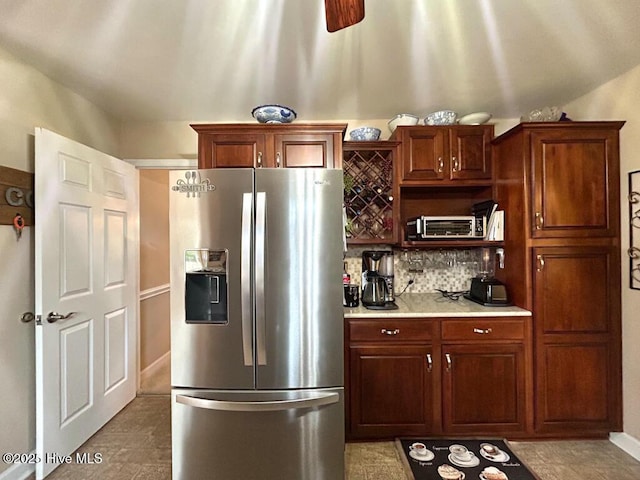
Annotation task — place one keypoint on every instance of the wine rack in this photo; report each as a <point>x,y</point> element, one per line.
<point>369,192</point>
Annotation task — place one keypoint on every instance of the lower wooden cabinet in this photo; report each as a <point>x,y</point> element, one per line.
<point>409,377</point>
<point>483,388</point>
<point>577,353</point>
<point>392,390</point>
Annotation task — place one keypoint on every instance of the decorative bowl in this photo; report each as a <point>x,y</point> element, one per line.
<point>544,114</point>
<point>442,117</point>
<point>365,134</point>
<point>273,114</point>
<point>477,118</point>
<point>402,119</point>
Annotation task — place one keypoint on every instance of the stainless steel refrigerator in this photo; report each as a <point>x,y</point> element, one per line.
<point>256,324</point>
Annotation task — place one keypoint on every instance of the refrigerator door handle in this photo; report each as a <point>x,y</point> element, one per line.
<point>311,401</point>
<point>245,277</point>
<point>261,222</point>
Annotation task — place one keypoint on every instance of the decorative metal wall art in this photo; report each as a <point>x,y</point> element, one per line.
<point>634,229</point>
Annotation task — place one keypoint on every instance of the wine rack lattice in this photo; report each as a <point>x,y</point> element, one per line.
<point>368,195</point>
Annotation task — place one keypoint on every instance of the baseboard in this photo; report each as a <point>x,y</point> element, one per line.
<point>154,367</point>
<point>19,471</point>
<point>627,443</point>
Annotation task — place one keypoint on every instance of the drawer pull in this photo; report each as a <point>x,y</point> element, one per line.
<point>448,358</point>
<point>395,331</point>
<point>429,363</point>
<point>482,331</point>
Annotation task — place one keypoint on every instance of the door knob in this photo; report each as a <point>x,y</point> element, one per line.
<point>27,317</point>
<point>53,317</point>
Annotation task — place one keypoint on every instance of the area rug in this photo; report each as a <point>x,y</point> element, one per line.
<point>461,459</point>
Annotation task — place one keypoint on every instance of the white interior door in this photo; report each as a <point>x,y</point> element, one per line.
<point>86,254</point>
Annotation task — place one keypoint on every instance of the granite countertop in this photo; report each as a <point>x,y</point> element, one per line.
<point>435,305</point>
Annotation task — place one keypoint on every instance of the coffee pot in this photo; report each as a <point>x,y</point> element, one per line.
<point>375,285</point>
<point>375,291</point>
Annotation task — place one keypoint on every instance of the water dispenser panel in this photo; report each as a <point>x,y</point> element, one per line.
<point>206,286</point>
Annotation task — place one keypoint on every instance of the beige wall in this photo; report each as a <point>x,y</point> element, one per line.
<point>155,339</point>
<point>619,99</point>
<point>28,100</point>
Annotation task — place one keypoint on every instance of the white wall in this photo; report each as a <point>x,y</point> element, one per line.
<point>619,99</point>
<point>29,99</point>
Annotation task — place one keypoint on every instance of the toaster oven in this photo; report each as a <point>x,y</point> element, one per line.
<point>434,227</point>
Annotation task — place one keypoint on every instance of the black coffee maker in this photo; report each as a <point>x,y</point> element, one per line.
<point>375,291</point>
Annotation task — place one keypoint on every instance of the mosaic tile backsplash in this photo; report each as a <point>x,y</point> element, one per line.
<point>430,270</point>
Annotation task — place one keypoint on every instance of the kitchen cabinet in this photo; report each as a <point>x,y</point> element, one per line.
<point>404,377</point>
<point>443,170</point>
<point>269,145</point>
<point>390,379</point>
<point>444,154</point>
<point>574,194</point>
<point>559,186</point>
<point>578,354</point>
<point>486,376</point>
<point>370,192</point>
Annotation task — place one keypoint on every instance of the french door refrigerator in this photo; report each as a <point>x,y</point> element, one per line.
<point>256,324</point>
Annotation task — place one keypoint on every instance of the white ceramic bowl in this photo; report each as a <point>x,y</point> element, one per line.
<point>273,114</point>
<point>365,134</point>
<point>402,119</point>
<point>477,118</point>
<point>442,117</point>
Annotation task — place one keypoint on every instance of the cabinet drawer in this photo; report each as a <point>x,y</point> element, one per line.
<point>392,330</point>
<point>483,328</point>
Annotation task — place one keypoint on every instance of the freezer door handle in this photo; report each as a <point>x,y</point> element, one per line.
<point>245,276</point>
<point>311,401</point>
<point>261,224</point>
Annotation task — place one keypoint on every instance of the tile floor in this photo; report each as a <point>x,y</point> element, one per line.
<point>136,444</point>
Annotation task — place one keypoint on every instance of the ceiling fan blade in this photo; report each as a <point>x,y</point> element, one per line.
<point>343,13</point>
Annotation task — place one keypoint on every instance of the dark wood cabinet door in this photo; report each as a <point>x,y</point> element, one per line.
<point>576,391</point>
<point>390,391</point>
<point>304,150</point>
<point>231,150</point>
<point>483,388</point>
<point>470,152</point>
<point>576,192</point>
<point>424,154</point>
<point>576,289</point>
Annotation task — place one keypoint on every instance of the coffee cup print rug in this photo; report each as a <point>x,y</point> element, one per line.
<point>461,459</point>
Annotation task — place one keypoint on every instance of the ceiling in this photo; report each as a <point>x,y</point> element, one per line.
<point>214,60</point>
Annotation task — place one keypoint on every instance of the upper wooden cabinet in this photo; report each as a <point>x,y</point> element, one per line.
<point>439,155</point>
<point>573,181</point>
<point>269,145</point>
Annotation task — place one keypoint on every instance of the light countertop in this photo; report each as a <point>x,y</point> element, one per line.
<point>420,305</point>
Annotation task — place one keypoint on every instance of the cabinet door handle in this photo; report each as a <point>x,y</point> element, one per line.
<point>385,331</point>
<point>429,363</point>
<point>448,358</point>
<point>539,221</point>
<point>440,164</point>
<point>278,160</point>
<point>540,260</point>
<point>456,165</point>
<point>482,331</point>
<point>259,159</point>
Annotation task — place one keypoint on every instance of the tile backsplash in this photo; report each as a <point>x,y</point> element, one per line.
<point>430,270</point>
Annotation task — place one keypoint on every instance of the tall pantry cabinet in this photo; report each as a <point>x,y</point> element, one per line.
<point>559,184</point>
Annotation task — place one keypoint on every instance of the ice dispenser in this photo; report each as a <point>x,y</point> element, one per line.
<point>206,286</point>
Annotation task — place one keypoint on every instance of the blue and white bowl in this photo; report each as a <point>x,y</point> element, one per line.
<point>443,117</point>
<point>273,114</point>
<point>365,134</point>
